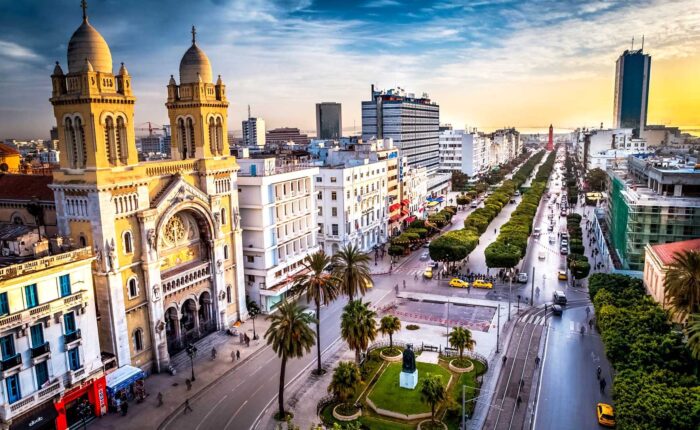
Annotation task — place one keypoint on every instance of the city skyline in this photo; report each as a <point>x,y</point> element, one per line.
<point>475,59</point>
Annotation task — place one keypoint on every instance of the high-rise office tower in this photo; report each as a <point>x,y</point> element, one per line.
<point>254,132</point>
<point>329,121</point>
<point>632,90</point>
<point>412,122</point>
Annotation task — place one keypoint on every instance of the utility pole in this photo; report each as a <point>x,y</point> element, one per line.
<point>532,288</point>
<point>498,327</point>
<point>510,289</point>
<point>464,411</point>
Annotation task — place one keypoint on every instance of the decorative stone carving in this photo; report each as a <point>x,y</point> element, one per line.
<point>111,256</point>
<point>236,219</point>
<point>174,230</point>
<point>217,220</point>
<point>222,295</point>
<point>156,292</point>
<point>151,235</point>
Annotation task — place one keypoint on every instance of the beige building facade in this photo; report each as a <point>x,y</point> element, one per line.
<point>166,234</point>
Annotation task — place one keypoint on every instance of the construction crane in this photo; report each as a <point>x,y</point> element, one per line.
<point>150,127</point>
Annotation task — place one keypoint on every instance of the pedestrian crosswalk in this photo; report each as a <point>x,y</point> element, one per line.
<point>535,319</point>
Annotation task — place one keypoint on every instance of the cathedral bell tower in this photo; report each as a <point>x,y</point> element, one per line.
<point>197,109</point>
<point>94,109</point>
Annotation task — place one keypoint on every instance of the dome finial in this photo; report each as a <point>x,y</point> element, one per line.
<point>83,5</point>
<point>194,35</point>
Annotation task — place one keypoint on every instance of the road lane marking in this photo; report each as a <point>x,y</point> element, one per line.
<point>228,423</point>
<point>210,411</point>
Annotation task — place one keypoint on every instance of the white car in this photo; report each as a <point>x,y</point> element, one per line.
<point>522,277</point>
<point>425,256</point>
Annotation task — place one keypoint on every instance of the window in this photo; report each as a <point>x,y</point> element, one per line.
<point>133,288</point>
<point>225,252</point>
<point>334,211</point>
<point>251,278</point>
<point>74,359</point>
<point>319,196</point>
<point>4,304</point>
<point>319,179</point>
<point>83,241</point>
<point>128,243</point>
<point>334,179</point>
<point>7,346</point>
<point>37,335</point>
<point>250,258</point>
<point>42,373</point>
<point>31,295</point>
<point>64,284</point>
<point>13,392</point>
<point>228,294</point>
<point>320,210</point>
<point>334,195</point>
<point>334,229</point>
<point>320,228</point>
<point>223,216</point>
<point>69,322</point>
<point>138,339</point>
<point>669,228</point>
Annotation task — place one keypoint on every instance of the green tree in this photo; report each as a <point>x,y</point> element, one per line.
<point>345,378</point>
<point>389,325</point>
<point>461,339</point>
<point>432,391</point>
<point>253,312</point>
<point>596,179</point>
<point>320,287</point>
<point>352,270</point>
<point>358,326</point>
<point>693,331</point>
<point>682,284</point>
<point>289,336</point>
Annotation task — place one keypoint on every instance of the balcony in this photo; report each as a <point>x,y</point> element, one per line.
<point>9,411</point>
<point>184,277</point>
<point>10,364</point>
<point>40,352</point>
<point>71,338</point>
<point>32,315</point>
<point>75,376</point>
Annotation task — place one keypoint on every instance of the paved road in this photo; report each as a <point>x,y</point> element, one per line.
<point>236,401</point>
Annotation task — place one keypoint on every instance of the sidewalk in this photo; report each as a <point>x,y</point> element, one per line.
<point>149,415</point>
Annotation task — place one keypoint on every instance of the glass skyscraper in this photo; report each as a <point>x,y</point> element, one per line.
<point>632,73</point>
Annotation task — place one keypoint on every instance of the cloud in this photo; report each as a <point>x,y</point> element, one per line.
<point>17,52</point>
<point>381,3</point>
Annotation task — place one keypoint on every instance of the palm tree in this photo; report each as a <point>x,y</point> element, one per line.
<point>389,325</point>
<point>461,339</point>
<point>345,378</point>
<point>290,337</point>
<point>694,335</point>
<point>682,284</point>
<point>358,326</point>
<point>320,287</point>
<point>351,267</point>
<point>432,391</point>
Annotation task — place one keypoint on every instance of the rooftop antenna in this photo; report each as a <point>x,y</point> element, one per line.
<point>248,111</point>
<point>632,43</point>
<point>642,43</point>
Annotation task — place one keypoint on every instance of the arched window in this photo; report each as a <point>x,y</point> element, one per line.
<point>81,150</point>
<point>110,147</point>
<point>182,145</point>
<point>82,241</point>
<point>138,340</point>
<point>228,294</point>
<point>212,136</point>
<point>223,216</point>
<point>121,140</point>
<point>17,220</point>
<point>133,287</point>
<point>219,136</point>
<point>225,252</point>
<point>190,137</point>
<point>128,243</point>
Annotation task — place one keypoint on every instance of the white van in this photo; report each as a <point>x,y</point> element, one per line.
<point>537,233</point>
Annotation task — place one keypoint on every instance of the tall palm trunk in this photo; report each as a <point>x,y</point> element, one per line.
<point>318,335</point>
<point>280,397</point>
<point>357,357</point>
<point>391,341</point>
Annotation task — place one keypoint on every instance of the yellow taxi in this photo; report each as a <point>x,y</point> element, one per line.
<point>458,283</point>
<point>562,275</point>
<point>428,274</point>
<point>606,415</point>
<point>480,283</point>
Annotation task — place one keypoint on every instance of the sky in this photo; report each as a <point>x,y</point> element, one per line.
<point>487,63</point>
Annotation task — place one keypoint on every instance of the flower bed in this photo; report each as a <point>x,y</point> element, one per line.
<point>461,365</point>
<point>346,412</point>
<point>432,425</point>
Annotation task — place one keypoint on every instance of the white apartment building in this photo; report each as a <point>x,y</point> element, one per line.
<point>464,151</point>
<point>50,156</point>
<point>351,198</point>
<point>505,146</point>
<point>254,132</point>
<point>415,192</point>
<point>278,218</point>
<point>49,340</point>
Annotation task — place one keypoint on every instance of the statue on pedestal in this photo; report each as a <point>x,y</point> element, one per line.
<point>409,373</point>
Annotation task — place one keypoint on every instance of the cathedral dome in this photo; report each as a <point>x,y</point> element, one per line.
<point>87,43</point>
<point>195,65</point>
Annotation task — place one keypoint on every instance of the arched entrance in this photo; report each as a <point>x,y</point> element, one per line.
<point>207,322</point>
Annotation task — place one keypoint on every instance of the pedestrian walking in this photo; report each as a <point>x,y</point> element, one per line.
<point>238,355</point>
<point>187,407</point>
<point>159,397</point>
<point>213,353</point>
<point>504,360</point>
<point>404,284</point>
<point>520,400</point>
<point>602,385</point>
<point>598,372</point>
<point>396,288</point>
<point>537,361</point>
<point>188,383</point>
<point>125,407</point>
<point>233,356</point>
<point>522,383</point>
<point>247,341</point>
<point>590,324</point>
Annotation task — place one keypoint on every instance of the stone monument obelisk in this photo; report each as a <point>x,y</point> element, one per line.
<point>409,372</point>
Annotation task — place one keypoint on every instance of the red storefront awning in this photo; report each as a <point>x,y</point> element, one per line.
<point>394,218</point>
<point>405,202</point>
<point>394,207</point>
<point>410,219</point>
<point>404,212</point>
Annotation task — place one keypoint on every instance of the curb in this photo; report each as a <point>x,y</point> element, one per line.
<point>167,420</point>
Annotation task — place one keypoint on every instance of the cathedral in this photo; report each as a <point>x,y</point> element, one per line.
<point>166,234</point>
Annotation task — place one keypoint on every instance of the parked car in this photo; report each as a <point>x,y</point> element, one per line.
<point>552,240</point>
<point>564,242</point>
<point>426,245</point>
<point>537,233</point>
<point>557,310</point>
<point>310,312</point>
<point>434,265</point>
<point>428,273</point>
<point>480,283</point>
<point>522,278</point>
<point>541,256</point>
<point>517,193</point>
<point>425,256</point>
<point>564,250</point>
<point>562,276</point>
<point>559,297</point>
<point>458,283</point>
<point>474,205</point>
<point>606,415</point>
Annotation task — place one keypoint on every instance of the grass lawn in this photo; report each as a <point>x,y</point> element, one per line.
<point>452,418</point>
<point>387,394</point>
<point>380,424</point>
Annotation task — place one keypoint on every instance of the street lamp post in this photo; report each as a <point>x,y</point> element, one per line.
<point>192,353</point>
<point>498,327</point>
<point>510,289</point>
